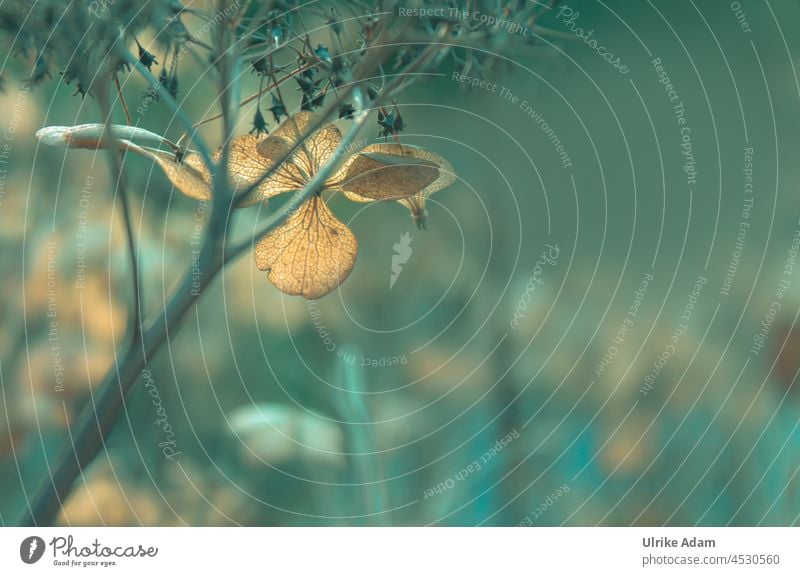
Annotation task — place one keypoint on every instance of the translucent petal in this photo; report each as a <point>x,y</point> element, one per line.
<point>194,161</point>
<point>316,150</point>
<point>247,165</point>
<point>185,176</point>
<point>189,176</point>
<point>391,172</point>
<point>310,254</point>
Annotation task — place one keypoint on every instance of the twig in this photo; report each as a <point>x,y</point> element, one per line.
<point>122,100</point>
<point>228,66</point>
<point>114,154</point>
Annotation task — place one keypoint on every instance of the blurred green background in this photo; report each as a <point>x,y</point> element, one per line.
<point>474,390</point>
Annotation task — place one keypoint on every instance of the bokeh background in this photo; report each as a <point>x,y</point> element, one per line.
<point>474,390</point>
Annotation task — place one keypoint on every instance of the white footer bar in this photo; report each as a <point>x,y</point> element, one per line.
<point>390,551</point>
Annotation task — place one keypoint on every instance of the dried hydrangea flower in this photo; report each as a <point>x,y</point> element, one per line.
<point>312,252</point>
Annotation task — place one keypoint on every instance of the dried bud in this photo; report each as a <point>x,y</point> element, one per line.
<point>277,109</point>
<point>259,123</point>
<point>346,111</point>
<point>261,66</point>
<point>146,58</point>
<point>322,53</point>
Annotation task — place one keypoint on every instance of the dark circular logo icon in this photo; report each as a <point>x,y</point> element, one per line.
<point>31,550</point>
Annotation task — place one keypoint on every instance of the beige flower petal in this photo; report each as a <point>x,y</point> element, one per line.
<point>246,165</point>
<point>390,172</point>
<point>189,176</point>
<point>310,254</point>
<point>316,151</point>
<point>185,176</point>
<point>410,176</point>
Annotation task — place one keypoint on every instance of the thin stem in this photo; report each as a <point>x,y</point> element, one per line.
<point>137,295</point>
<point>122,100</point>
<point>114,155</point>
<point>228,66</point>
<point>359,436</point>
